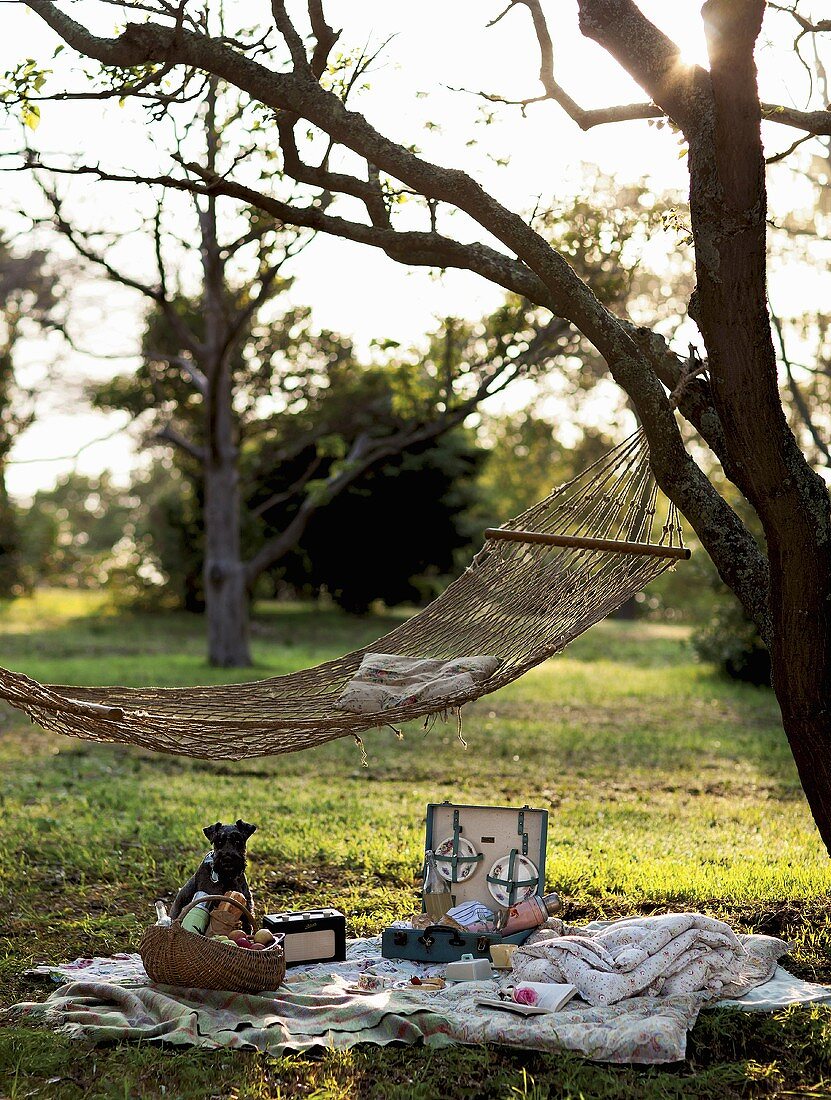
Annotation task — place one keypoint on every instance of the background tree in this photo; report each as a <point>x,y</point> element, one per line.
<point>192,355</point>
<point>30,301</point>
<point>218,368</point>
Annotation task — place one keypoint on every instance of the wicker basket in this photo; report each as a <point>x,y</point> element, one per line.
<point>174,956</point>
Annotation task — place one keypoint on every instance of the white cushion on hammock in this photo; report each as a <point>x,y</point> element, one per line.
<point>385,681</point>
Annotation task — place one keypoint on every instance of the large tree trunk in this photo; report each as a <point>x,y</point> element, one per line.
<point>802,680</point>
<point>728,208</point>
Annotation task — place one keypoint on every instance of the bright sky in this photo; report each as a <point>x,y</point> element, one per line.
<point>351,288</point>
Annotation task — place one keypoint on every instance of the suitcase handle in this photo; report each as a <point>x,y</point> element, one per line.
<point>435,930</point>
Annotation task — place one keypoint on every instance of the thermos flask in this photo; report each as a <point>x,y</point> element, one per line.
<point>530,913</point>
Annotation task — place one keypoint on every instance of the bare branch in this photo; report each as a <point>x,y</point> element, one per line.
<point>77,239</point>
<point>169,434</point>
<point>807,25</point>
<point>292,39</point>
<point>791,148</point>
<point>291,492</point>
<point>325,37</point>
<point>586,120</point>
<point>186,365</point>
<point>75,454</point>
<point>799,401</point>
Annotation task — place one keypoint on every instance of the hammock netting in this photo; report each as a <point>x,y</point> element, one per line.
<point>522,602</point>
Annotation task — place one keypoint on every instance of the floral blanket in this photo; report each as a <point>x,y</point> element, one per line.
<point>370,999</point>
<point>309,1012</point>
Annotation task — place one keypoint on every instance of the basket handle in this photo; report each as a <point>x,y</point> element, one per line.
<point>216,897</point>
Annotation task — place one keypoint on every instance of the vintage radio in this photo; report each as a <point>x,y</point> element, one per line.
<point>494,855</point>
<point>316,935</point>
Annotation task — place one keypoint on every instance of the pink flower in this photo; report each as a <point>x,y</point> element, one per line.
<point>525,996</point>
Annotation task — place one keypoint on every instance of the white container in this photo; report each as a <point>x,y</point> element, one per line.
<point>468,969</point>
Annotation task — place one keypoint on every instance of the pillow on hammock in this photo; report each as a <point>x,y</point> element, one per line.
<point>386,681</point>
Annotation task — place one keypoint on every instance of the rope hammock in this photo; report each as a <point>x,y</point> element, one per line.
<point>539,581</point>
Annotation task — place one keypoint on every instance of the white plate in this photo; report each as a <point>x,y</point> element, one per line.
<point>465,870</point>
<point>523,868</point>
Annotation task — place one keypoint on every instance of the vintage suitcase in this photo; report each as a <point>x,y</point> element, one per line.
<point>316,935</point>
<point>487,851</point>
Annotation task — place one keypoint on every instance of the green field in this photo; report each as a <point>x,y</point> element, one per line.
<point>667,787</point>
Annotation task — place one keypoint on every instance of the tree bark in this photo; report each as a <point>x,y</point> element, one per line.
<point>728,209</point>
<point>226,590</point>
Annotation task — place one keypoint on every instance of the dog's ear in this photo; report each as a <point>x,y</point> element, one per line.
<point>210,831</point>
<point>245,828</point>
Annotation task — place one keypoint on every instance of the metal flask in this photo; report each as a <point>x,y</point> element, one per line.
<point>530,913</point>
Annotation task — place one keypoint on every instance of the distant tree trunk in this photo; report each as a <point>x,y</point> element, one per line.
<point>629,610</point>
<point>11,579</point>
<point>226,594</point>
<point>224,573</point>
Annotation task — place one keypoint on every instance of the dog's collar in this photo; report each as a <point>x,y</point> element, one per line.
<point>209,860</point>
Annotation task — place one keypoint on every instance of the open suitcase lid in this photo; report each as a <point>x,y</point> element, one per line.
<point>494,855</point>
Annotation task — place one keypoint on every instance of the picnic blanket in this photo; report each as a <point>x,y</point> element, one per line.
<point>321,1005</point>
<point>307,1012</point>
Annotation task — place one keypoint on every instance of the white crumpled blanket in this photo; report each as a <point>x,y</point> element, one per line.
<point>651,956</point>
<point>385,681</point>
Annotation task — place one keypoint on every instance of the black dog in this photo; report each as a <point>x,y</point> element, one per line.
<point>222,869</point>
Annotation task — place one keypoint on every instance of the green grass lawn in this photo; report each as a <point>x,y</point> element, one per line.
<point>667,788</point>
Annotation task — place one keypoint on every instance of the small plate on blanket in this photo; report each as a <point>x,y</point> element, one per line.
<point>524,870</point>
<point>463,870</point>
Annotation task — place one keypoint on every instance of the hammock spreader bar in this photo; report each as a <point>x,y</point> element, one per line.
<point>616,546</point>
